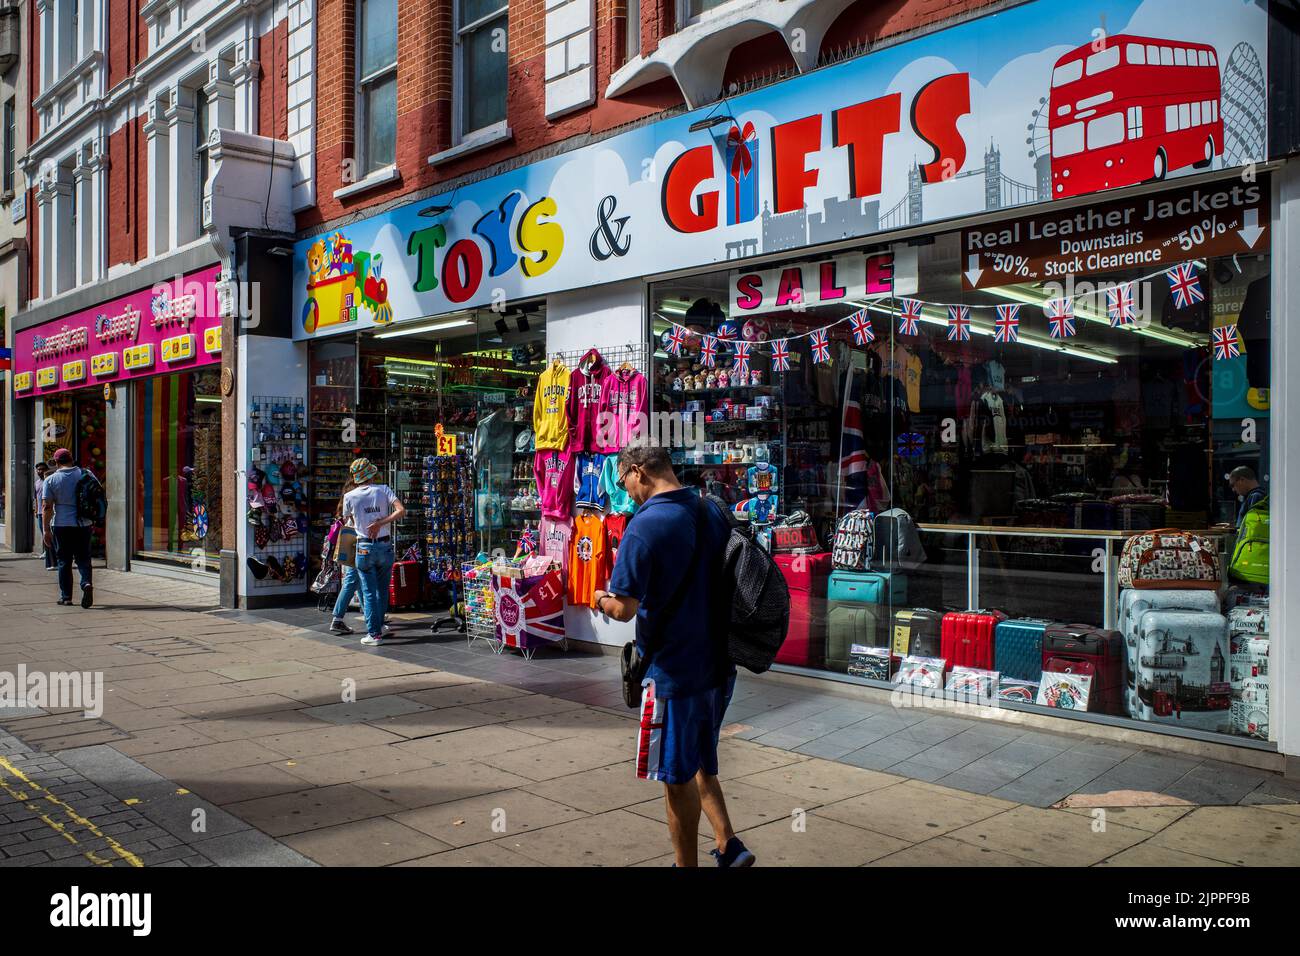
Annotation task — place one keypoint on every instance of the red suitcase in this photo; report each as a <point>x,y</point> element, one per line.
<point>1091,651</point>
<point>805,636</point>
<point>405,584</point>
<point>966,638</point>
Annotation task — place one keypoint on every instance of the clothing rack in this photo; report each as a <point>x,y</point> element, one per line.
<point>635,354</point>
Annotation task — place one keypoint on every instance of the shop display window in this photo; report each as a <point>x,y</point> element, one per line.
<point>75,421</point>
<point>178,471</point>
<point>1067,464</point>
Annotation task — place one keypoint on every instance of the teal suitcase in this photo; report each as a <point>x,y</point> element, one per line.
<point>867,587</point>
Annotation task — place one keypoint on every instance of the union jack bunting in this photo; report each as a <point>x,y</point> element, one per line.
<point>1119,305</point>
<point>1060,317</point>
<point>862,330</point>
<point>1226,343</point>
<point>709,351</point>
<point>820,347</point>
<point>1185,285</point>
<point>780,356</point>
<point>1006,327</point>
<point>959,323</point>
<point>676,340</point>
<point>741,360</point>
<point>909,316</point>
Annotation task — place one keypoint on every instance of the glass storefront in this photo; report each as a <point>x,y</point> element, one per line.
<point>76,421</point>
<point>385,394</point>
<point>177,449</point>
<point>1054,488</point>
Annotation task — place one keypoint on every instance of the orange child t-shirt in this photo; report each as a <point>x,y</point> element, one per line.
<point>588,559</point>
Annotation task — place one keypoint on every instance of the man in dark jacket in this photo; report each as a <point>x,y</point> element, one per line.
<point>1247,488</point>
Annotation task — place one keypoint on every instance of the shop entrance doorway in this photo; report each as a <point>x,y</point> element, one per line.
<point>76,421</point>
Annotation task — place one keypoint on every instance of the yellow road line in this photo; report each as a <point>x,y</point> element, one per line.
<point>58,827</point>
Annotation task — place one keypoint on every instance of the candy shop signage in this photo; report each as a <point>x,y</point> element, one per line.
<point>1037,102</point>
<point>148,332</point>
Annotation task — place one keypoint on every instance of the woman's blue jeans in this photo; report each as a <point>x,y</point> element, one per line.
<point>375,568</point>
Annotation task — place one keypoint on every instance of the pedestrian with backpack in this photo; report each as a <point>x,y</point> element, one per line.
<point>671,577</point>
<point>74,501</point>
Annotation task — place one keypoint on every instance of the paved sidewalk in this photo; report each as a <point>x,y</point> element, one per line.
<point>230,739</point>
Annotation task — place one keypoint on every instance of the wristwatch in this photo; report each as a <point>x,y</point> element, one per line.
<point>600,601</point>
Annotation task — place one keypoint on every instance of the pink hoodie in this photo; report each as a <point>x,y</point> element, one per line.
<point>624,405</point>
<point>586,399</point>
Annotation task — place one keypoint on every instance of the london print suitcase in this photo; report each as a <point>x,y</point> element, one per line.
<point>1018,648</point>
<point>805,637</point>
<point>966,638</point>
<point>1093,651</point>
<point>404,585</point>
<point>916,632</point>
<point>1133,603</point>
<point>849,624</point>
<point>1182,669</point>
<point>867,587</point>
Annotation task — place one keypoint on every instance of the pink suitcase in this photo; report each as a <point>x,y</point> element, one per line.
<point>805,638</point>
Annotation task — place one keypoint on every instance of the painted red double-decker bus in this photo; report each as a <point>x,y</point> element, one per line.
<point>1131,111</point>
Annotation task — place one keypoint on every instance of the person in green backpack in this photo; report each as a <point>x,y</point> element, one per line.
<point>1250,554</point>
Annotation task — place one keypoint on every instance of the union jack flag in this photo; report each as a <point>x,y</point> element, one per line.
<point>959,323</point>
<point>911,445</point>
<point>780,356</point>
<point>1006,327</point>
<point>1119,305</point>
<point>862,330</point>
<point>1185,285</point>
<point>676,340</point>
<point>709,351</point>
<point>741,361</point>
<point>1060,317</point>
<point>1226,343</point>
<point>909,316</point>
<point>821,348</point>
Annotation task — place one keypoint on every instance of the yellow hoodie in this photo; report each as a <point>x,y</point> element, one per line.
<point>550,415</point>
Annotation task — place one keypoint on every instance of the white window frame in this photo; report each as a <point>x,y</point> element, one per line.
<point>1136,54</point>
<point>361,83</point>
<point>684,18</point>
<point>460,134</point>
<point>1171,118</point>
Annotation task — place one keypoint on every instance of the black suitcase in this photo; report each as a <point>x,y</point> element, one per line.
<point>916,632</point>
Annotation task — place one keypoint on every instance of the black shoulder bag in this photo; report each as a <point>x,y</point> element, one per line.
<point>634,663</point>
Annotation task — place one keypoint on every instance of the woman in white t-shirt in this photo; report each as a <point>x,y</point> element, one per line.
<point>372,509</point>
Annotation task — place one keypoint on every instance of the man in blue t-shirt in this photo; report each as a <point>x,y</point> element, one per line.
<point>669,576</point>
<point>65,530</point>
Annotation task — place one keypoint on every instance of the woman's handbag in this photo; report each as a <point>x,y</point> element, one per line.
<point>347,547</point>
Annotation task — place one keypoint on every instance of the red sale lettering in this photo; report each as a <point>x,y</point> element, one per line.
<point>830,290</point>
<point>935,111</point>
<point>790,288</point>
<point>791,144</point>
<point>862,128</point>
<point>880,273</point>
<point>686,173</point>
<point>749,290</point>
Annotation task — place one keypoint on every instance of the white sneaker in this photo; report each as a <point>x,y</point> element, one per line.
<point>371,641</point>
<point>386,632</point>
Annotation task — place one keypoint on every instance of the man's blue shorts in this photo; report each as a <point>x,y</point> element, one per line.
<point>679,735</point>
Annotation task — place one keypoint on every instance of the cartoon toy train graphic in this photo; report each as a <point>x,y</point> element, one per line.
<point>340,281</point>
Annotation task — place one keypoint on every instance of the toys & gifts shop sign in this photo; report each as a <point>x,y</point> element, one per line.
<point>1040,102</point>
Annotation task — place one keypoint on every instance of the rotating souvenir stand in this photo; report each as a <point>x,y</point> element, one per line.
<point>447,493</point>
<point>277,505</point>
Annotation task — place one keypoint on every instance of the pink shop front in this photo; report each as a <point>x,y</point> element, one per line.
<point>131,387</point>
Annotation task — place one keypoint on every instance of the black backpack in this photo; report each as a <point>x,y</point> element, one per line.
<point>92,505</point>
<point>755,590</point>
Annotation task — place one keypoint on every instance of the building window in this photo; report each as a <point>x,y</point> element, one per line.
<point>481,64</point>
<point>1135,122</point>
<point>376,84</point>
<point>633,49</point>
<point>201,148</point>
<point>9,147</point>
<point>688,11</point>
